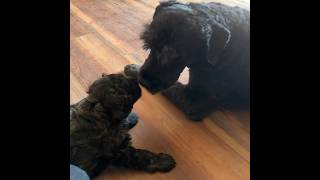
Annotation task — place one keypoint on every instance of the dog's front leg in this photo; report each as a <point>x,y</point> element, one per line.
<point>194,104</point>
<point>145,160</point>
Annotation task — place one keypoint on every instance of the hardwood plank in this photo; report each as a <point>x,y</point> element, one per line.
<point>77,91</point>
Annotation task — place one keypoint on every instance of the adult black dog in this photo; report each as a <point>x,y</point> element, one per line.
<point>213,41</point>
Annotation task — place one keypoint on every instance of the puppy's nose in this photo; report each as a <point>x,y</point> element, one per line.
<point>132,70</point>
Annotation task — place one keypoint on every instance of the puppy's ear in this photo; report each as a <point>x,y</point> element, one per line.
<point>219,38</point>
<point>93,86</point>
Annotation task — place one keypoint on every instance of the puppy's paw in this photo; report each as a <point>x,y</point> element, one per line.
<point>132,70</point>
<point>162,162</point>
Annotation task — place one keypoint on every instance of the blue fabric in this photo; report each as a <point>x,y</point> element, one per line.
<point>133,118</point>
<point>77,174</point>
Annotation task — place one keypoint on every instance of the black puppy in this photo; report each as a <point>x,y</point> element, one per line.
<point>213,41</point>
<point>99,128</point>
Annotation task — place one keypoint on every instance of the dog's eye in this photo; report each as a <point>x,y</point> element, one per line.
<point>167,55</point>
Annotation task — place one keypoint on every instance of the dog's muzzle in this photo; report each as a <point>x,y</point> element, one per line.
<point>148,85</point>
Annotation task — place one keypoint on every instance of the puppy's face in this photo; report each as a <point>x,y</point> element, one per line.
<point>116,93</point>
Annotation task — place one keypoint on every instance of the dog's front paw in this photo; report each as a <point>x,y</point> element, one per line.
<point>175,93</point>
<point>162,162</point>
<point>194,108</point>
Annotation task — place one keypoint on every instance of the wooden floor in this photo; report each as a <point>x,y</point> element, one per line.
<point>104,37</point>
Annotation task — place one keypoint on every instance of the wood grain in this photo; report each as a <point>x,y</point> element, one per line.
<point>104,37</point>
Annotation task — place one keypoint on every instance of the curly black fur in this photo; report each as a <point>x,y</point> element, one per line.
<point>99,129</point>
<point>213,41</point>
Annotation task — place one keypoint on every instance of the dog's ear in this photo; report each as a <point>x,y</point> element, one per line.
<point>219,39</point>
<point>146,36</point>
